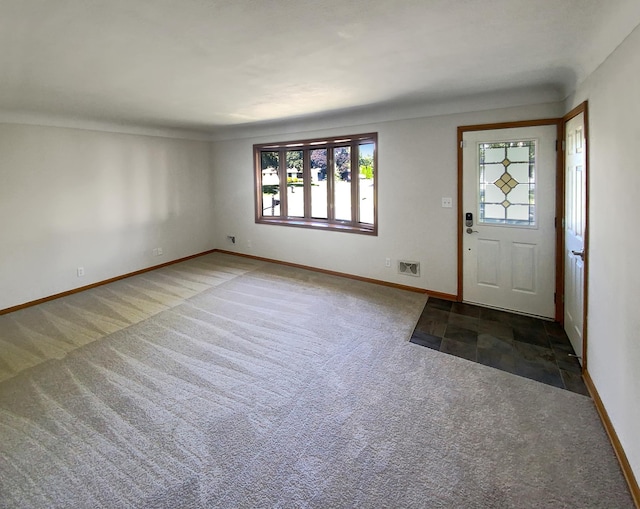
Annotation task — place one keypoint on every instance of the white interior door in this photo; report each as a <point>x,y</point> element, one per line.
<point>574,230</point>
<point>509,249</point>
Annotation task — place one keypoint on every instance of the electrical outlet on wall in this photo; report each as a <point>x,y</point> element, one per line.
<point>159,251</point>
<point>80,271</point>
<point>387,262</point>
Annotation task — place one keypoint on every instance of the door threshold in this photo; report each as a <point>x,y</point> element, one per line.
<point>512,311</point>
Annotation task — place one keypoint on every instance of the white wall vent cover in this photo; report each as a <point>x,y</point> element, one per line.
<point>409,268</point>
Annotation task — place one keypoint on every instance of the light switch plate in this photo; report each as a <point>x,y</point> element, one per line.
<point>447,203</point>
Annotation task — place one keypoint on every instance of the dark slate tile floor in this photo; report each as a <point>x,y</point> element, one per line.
<point>522,345</point>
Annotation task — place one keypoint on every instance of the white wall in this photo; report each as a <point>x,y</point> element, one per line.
<point>417,166</point>
<point>613,92</point>
<point>103,201</point>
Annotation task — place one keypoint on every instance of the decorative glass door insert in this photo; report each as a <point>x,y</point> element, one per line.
<point>507,183</point>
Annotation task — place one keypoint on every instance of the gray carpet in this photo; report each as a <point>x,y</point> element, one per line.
<point>226,382</point>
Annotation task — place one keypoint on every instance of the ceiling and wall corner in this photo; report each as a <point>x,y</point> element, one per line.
<point>203,66</point>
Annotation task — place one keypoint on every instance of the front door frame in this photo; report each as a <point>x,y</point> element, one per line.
<point>559,276</point>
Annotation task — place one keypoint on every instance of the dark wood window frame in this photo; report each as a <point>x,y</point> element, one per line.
<point>306,146</point>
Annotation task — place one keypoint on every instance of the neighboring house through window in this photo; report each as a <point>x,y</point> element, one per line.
<point>326,183</point>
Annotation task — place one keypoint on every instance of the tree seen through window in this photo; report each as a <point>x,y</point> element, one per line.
<point>328,183</point>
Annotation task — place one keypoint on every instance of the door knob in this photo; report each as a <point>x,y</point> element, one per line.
<point>579,253</point>
<point>471,230</point>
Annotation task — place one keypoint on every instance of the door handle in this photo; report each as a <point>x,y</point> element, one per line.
<point>471,230</point>
<point>579,253</point>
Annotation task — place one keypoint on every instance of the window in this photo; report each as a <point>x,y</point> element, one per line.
<point>312,183</point>
<point>507,183</point>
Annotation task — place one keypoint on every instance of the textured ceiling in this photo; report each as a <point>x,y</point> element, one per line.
<point>207,64</point>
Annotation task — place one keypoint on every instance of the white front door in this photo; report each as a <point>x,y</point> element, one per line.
<point>509,185</point>
<point>574,230</point>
